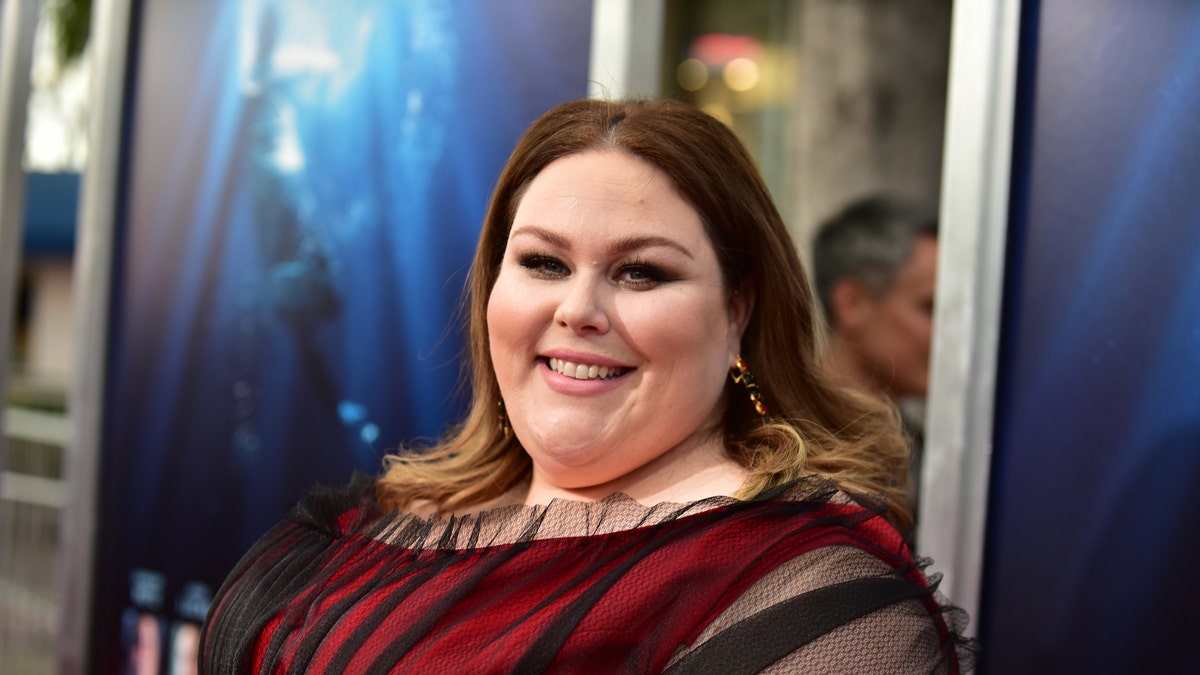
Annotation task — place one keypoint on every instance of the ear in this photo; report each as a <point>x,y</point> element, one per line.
<point>741,307</point>
<point>852,305</point>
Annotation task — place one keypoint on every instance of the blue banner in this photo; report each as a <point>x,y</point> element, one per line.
<point>302,192</point>
<point>1091,555</point>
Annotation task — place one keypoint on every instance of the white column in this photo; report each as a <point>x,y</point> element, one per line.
<point>16,58</point>
<point>108,49</point>
<point>626,52</point>
<point>974,223</point>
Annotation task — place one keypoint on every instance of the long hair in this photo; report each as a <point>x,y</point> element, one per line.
<point>816,428</point>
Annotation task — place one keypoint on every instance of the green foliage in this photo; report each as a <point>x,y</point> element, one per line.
<point>72,20</point>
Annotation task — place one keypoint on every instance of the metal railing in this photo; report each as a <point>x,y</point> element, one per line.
<point>32,496</point>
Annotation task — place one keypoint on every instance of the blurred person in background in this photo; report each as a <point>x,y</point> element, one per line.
<point>875,266</point>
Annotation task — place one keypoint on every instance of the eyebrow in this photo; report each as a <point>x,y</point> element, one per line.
<point>617,247</point>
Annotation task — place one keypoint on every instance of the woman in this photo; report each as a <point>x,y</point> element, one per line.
<point>623,496</point>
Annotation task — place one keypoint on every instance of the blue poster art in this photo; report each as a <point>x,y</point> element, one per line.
<point>302,188</point>
<point>1091,551</point>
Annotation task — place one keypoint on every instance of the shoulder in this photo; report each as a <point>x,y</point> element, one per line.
<point>328,512</point>
<point>282,565</point>
<point>835,609</point>
<point>846,597</point>
<point>329,507</point>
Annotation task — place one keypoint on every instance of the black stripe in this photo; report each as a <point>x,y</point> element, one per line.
<point>760,640</point>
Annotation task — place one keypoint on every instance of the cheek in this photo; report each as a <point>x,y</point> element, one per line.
<point>919,324</point>
<point>512,324</point>
<point>907,322</point>
<point>691,332</point>
<point>916,329</point>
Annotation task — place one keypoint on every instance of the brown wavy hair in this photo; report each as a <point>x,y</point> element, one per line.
<point>817,427</point>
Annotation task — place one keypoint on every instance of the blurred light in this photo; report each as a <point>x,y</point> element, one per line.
<point>295,59</point>
<point>351,412</point>
<point>369,433</point>
<point>288,157</point>
<point>717,49</point>
<point>741,74</point>
<point>692,74</point>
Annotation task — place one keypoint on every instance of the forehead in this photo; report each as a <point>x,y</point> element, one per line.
<point>604,187</point>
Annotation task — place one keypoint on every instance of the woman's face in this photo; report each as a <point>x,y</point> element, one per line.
<point>611,330</point>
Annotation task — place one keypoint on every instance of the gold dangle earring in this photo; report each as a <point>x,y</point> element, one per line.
<point>502,418</point>
<point>741,374</point>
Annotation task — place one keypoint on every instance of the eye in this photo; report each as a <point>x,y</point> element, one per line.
<point>545,266</point>
<point>640,275</point>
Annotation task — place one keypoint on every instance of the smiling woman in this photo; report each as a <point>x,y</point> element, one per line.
<point>608,267</point>
<point>617,499</point>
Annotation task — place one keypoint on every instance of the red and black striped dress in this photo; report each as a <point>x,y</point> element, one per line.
<point>805,579</point>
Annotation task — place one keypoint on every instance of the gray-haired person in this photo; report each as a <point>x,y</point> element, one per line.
<point>875,264</point>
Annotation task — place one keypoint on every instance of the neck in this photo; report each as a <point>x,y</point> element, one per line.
<point>685,474</point>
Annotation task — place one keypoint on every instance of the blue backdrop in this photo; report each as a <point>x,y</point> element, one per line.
<point>1092,551</point>
<point>303,188</point>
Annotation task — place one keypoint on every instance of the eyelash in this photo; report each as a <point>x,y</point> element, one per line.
<point>654,275</point>
<point>539,265</point>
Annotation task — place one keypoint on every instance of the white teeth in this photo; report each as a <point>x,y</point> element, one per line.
<point>583,371</point>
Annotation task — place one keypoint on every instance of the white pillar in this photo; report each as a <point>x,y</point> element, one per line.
<point>16,58</point>
<point>974,225</point>
<point>626,52</point>
<point>108,50</point>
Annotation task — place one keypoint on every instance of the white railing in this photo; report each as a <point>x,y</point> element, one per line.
<point>32,496</point>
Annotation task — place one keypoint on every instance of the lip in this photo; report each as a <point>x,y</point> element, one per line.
<point>572,387</point>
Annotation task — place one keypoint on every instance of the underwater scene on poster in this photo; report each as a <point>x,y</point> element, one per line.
<point>302,188</point>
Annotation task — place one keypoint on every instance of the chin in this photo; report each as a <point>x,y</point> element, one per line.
<point>567,460</point>
<point>583,442</point>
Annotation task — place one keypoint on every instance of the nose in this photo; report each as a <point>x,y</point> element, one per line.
<point>582,307</point>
